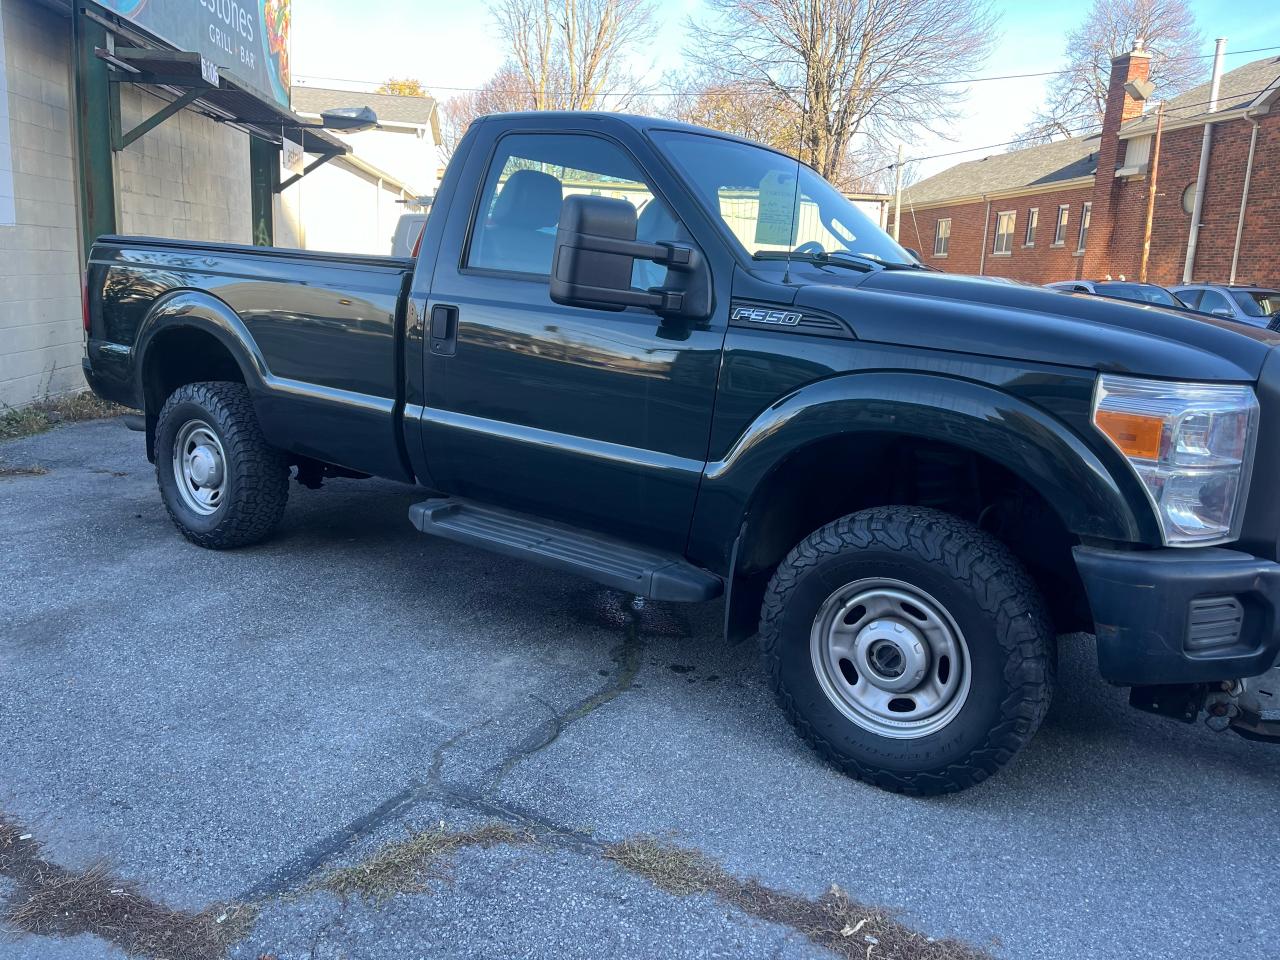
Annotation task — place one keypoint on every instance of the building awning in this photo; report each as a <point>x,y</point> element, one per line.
<point>196,82</point>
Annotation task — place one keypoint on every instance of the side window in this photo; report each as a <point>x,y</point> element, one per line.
<point>1190,297</point>
<point>1214,302</point>
<point>531,174</point>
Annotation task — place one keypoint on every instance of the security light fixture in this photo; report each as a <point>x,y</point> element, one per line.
<point>349,119</point>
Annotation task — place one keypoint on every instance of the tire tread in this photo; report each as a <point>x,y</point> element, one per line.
<point>260,471</point>
<point>977,562</point>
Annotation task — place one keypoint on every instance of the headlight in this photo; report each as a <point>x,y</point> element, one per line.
<point>1191,445</point>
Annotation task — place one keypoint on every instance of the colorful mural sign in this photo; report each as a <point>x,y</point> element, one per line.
<point>247,38</point>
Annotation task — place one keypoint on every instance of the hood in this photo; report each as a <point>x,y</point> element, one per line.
<point>970,315</point>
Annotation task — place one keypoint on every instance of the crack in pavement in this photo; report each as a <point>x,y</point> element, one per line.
<point>298,870</point>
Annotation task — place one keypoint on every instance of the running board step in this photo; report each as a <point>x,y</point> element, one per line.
<point>647,573</point>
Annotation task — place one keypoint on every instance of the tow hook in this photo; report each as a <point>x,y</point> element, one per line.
<point>1249,707</point>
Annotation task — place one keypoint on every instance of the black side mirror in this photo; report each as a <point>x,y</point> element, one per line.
<point>595,254</point>
<point>914,253</point>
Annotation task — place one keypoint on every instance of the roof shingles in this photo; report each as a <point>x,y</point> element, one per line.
<point>1046,163</point>
<point>389,108</point>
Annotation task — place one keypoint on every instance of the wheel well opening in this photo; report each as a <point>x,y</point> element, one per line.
<point>838,476</point>
<point>178,357</point>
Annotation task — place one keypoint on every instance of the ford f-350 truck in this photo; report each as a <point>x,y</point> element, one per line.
<point>683,365</point>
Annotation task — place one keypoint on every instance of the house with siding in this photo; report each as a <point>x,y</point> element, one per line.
<point>1076,208</point>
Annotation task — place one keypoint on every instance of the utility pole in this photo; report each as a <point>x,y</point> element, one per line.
<point>897,194</point>
<point>1153,171</point>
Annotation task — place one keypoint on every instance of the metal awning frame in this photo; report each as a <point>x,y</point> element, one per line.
<point>195,82</point>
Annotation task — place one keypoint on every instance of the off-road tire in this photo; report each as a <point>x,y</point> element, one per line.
<point>986,591</point>
<point>257,484</point>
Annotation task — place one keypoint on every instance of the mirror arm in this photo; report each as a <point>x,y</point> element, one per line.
<point>674,256</point>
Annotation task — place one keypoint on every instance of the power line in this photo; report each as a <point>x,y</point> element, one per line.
<point>1093,127</point>
<point>767,92</point>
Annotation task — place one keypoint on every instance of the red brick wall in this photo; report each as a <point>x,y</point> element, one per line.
<point>1040,263</point>
<point>1179,158</point>
<point>1106,189</point>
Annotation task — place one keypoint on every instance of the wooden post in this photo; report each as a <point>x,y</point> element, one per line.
<point>1152,172</point>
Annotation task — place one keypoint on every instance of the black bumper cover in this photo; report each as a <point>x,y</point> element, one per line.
<point>1141,609</point>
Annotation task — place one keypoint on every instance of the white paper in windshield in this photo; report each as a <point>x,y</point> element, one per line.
<point>776,220</point>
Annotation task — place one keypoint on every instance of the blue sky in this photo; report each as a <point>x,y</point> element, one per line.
<point>453,44</point>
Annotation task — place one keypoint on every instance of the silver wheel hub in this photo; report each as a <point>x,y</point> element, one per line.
<point>199,467</point>
<point>890,658</point>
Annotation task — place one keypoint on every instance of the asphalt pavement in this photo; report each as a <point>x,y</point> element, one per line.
<point>218,732</point>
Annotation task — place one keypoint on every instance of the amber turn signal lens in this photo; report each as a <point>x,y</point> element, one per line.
<point>1136,435</point>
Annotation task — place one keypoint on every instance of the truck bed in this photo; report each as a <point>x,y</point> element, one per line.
<point>314,335</point>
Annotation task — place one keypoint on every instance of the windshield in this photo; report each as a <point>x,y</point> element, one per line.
<point>1257,303</point>
<point>755,192</point>
<point>1143,293</point>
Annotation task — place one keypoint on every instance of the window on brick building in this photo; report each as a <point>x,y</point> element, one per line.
<point>1084,227</point>
<point>1004,231</point>
<point>942,237</point>
<point>1033,220</point>
<point>1060,228</point>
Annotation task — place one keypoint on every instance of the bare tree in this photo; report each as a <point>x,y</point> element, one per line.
<point>759,113</point>
<point>864,71</point>
<point>1077,99</point>
<point>570,52</point>
<point>749,110</point>
<point>504,92</point>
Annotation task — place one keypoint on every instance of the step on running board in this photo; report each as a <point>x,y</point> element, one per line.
<point>646,573</point>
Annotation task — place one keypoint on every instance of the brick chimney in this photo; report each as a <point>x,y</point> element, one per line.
<point>1121,107</point>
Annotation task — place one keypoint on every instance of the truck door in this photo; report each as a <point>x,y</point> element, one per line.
<point>597,418</point>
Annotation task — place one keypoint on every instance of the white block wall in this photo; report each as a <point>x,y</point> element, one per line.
<point>41,337</point>
<point>187,178</point>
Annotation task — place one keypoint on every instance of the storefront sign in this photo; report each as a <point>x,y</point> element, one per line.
<point>291,156</point>
<point>247,38</point>
<point>8,206</point>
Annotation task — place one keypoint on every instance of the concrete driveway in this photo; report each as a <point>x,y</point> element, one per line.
<point>210,738</point>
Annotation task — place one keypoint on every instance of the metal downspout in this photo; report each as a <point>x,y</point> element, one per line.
<point>1197,208</point>
<point>1244,197</point>
<point>982,256</point>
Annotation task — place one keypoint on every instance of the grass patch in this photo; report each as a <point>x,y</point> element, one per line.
<point>16,422</point>
<point>35,470</point>
<point>409,865</point>
<point>833,920</point>
<point>52,900</point>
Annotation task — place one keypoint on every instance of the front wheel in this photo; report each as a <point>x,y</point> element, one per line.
<point>909,648</point>
<point>222,483</point>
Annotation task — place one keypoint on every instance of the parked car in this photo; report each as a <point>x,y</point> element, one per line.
<point>1121,290</point>
<point>408,231</point>
<point>1255,305</point>
<point>906,483</point>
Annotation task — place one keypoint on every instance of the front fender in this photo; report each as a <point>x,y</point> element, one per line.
<point>1032,444</point>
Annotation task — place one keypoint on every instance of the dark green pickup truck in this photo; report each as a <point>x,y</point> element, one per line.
<point>683,365</point>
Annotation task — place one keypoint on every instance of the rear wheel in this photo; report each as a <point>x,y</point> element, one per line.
<point>909,648</point>
<point>223,485</point>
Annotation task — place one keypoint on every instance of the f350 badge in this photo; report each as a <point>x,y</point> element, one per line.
<point>782,318</point>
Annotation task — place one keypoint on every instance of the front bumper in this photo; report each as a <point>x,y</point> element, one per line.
<point>1181,616</point>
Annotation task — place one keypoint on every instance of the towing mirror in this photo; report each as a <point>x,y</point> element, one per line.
<point>595,255</point>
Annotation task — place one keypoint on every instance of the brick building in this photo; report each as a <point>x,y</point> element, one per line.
<point>1076,208</point>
